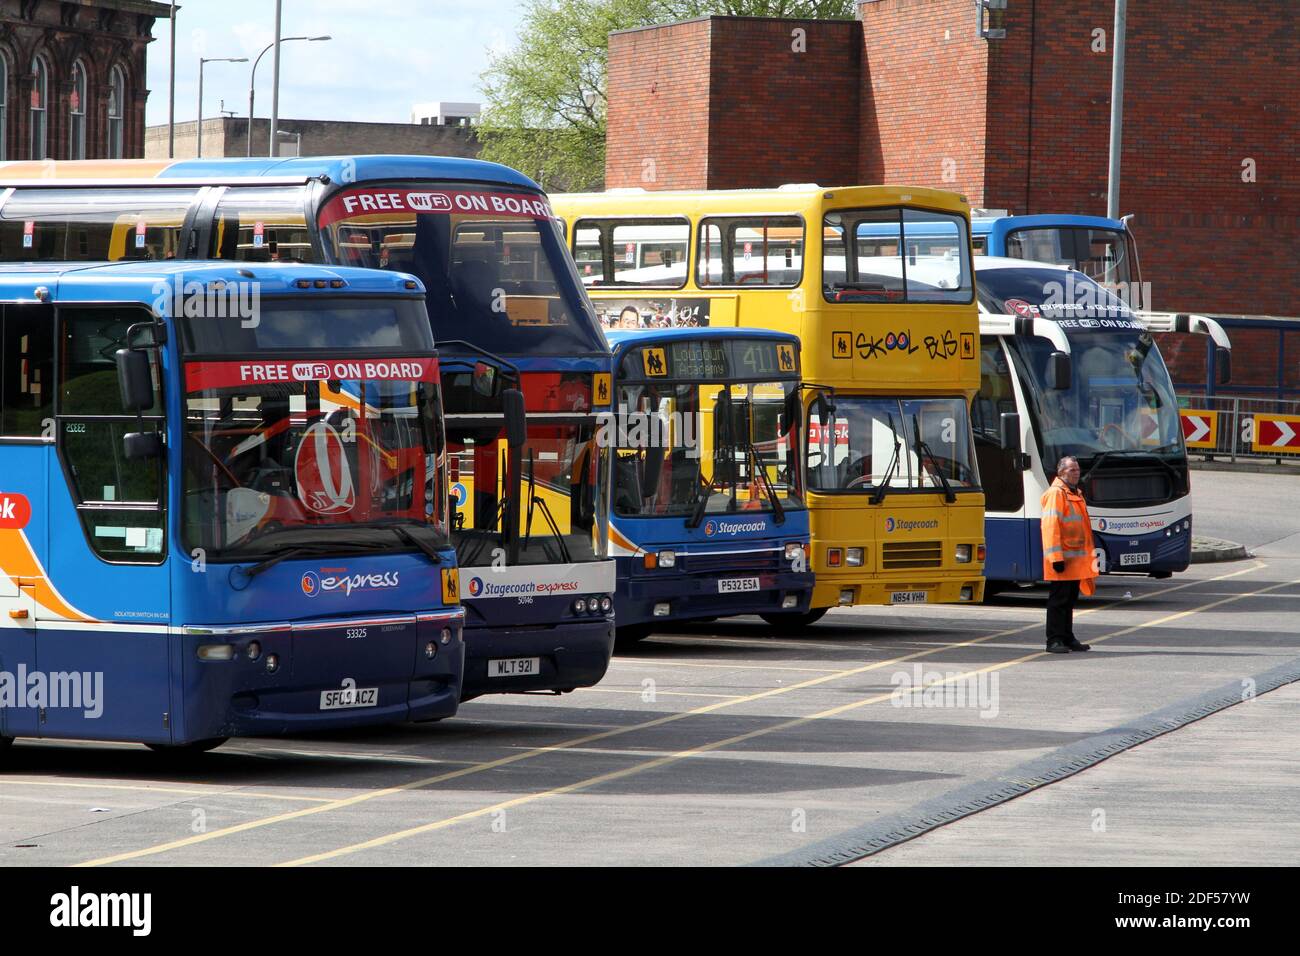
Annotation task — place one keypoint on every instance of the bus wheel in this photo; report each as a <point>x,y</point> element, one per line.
<point>190,749</point>
<point>796,621</point>
<point>625,637</point>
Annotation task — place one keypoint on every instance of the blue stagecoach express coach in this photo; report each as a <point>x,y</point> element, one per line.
<point>707,515</point>
<point>223,503</point>
<point>1068,369</point>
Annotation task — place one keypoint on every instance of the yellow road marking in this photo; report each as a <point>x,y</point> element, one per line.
<point>739,738</point>
<point>10,782</point>
<point>602,735</point>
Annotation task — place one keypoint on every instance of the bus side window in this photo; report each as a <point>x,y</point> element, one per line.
<point>118,499</point>
<point>26,371</point>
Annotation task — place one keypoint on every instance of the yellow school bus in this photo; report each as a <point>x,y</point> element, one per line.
<point>877,281</point>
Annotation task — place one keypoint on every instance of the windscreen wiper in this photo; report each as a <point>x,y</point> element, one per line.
<point>702,495</point>
<point>534,499</point>
<point>778,512</point>
<point>430,552</point>
<point>882,489</point>
<point>287,551</point>
<point>922,446</point>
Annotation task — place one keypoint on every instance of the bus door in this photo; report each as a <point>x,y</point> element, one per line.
<point>1007,529</point>
<point>103,615</point>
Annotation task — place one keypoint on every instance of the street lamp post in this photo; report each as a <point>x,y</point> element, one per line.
<point>171,89</point>
<point>198,136</point>
<point>253,77</point>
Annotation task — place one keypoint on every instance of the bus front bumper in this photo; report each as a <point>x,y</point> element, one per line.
<point>573,654</point>
<point>965,587</point>
<point>311,677</point>
<point>685,597</point>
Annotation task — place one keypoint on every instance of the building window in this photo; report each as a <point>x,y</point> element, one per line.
<point>77,113</point>
<point>4,105</point>
<point>40,94</point>
<point>116,99</point>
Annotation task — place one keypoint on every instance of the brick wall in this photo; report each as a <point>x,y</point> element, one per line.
<point>658,118</point>
<point>783,102</point>
<point>924,77</point>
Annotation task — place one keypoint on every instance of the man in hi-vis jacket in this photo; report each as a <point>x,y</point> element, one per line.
<point>1068,563</point>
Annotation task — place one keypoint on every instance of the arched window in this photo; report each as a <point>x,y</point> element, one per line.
<point>4,104</point>
<point>77,113</point>
<point>40,99</point>
<point>116,99</point>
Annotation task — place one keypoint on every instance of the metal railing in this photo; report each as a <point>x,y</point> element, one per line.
<point>1236,423</point>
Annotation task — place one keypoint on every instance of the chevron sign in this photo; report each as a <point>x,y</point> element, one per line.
<point>1277,433</point>
<point>1200,428</point>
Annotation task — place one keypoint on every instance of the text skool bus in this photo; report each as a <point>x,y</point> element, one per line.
<point>508,313</point>
<point>893,490</point>
<point>707,511</point>
<point>221,524</point>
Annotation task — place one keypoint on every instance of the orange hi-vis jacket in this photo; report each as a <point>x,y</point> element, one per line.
<point>1067,536</point>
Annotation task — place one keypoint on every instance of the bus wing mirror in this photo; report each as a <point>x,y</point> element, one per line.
<point>1010,434</point>
<point>141,445</point>
<point>134,379</point>
<point>654,466</point>
<point>790,413</point>
<point>512,401</point>
<point>1222,366</point>
<point>1058,371</point>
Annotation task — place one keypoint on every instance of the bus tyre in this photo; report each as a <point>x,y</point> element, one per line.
<point>626,637</point>
<point>188,750</point>
<point>795,621</point>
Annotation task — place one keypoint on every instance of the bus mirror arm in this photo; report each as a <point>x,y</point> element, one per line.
<point>1222,366</point>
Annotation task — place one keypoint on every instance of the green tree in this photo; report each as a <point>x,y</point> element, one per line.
<point>544,100</point>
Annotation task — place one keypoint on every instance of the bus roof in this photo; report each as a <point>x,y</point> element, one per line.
<point>983,226</point>
<point>136,280</point>
<point>339,169</point>
<point>787,200</point>
<point>623,339</point>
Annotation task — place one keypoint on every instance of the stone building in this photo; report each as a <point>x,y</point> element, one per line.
<point>228,136</point>
<point>72,77</point>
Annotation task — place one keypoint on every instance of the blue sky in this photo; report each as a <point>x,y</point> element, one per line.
<point>373,69</point>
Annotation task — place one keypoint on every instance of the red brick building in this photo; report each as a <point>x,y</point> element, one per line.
<point>910,92</point>
<point>72,77</point>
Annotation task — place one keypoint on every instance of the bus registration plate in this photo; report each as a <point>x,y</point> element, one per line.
<point>907,597</point>
<point>737,585</point>
<point>514,667</point>
<point>1137,557</point>
<point>349,697</point>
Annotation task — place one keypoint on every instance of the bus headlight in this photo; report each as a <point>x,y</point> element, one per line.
<point>445,636</point>
<point>254,650</point>
<point>272,663</point>
<point>580,606</point>
<point>667,559</point>
<point>430,649</point>
<point>963,554</point>
<point>216,652</point>
<point>793,549</point>
<point>853,557</point>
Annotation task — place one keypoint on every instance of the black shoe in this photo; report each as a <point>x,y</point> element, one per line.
<point>1076,645</point>
<point>1057,647</point>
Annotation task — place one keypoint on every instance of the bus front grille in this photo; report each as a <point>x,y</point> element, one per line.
<point>902,555</point>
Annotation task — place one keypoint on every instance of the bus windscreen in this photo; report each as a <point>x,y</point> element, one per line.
<point>493,263</point>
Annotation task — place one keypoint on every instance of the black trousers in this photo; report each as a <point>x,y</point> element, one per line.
<point>1061,598</point>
